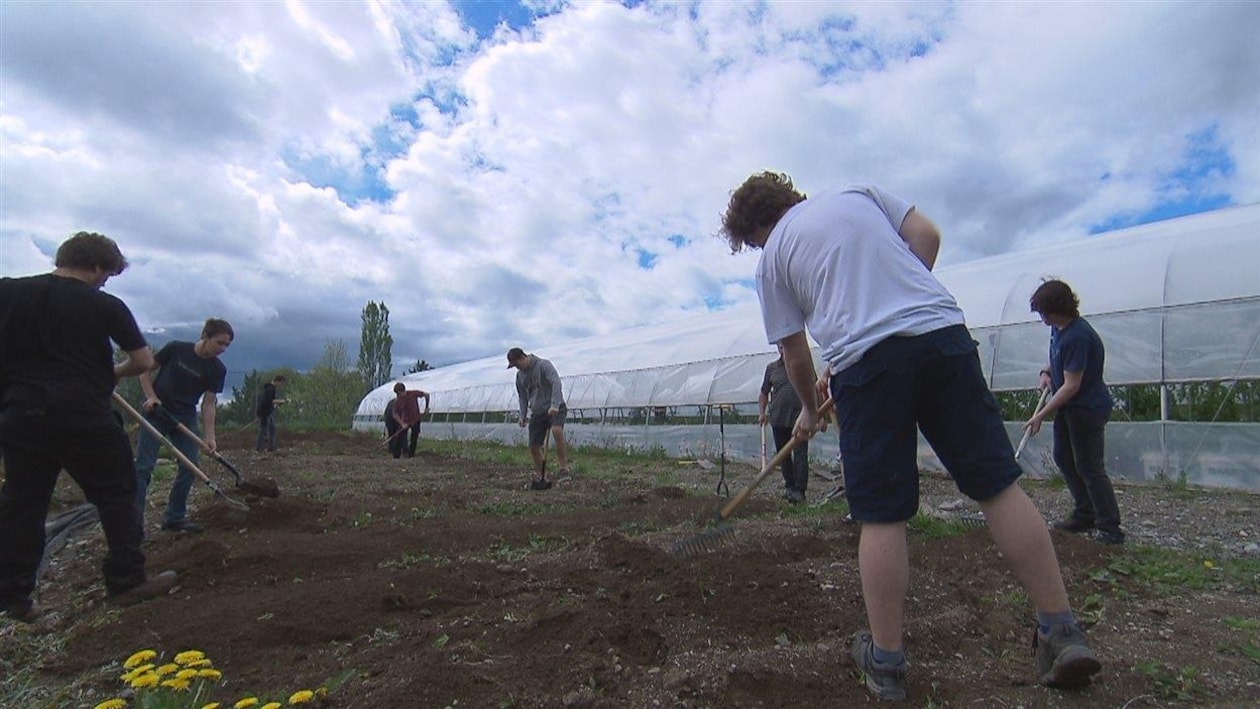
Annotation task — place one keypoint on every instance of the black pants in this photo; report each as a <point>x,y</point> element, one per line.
<point>398,441</point>
<point>796,466</point>
<point>96,452</point>
<point>1078,451</point>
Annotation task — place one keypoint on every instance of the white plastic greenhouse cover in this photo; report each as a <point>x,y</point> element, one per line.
<point>1174,301</point>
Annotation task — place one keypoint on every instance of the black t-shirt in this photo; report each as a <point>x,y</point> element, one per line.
<point>55,342</point>
<point>185,376</point>
<point>266,401</point>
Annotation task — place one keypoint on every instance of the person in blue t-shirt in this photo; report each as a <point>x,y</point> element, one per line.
<point>189,372</point>
<point>1081,406</point>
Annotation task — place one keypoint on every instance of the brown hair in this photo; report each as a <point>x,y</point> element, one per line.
<point>757,204</point>
<point>215,327</point>
<point>90,250</point>
<point>1054,297</point>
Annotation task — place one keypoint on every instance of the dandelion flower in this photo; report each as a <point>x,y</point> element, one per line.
<point>137,671</point>
<point>179,685</point>
<point>211,705</point>
<point>302,697</point>
<point>246,703</point>
<point>204,662</point>
<point>186,673</point>
<point>210,674</point>
<point>139,657</point>
<point>144,681</point>
<point>112,704</point>
<point>168,668</point>
<point>271,705</point>
<point>188,656</point>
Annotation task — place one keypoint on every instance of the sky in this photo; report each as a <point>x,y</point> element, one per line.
<point>531,173</point>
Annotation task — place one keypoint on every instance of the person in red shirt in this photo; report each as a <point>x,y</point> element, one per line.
<point>408,415</point>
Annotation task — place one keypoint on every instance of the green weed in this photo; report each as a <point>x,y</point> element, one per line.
<point>1171,683</point>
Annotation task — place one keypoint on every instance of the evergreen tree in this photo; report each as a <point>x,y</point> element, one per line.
<point>419,366</point>
<point>375,344</point>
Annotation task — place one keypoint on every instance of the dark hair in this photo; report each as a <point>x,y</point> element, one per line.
<point>90,250</point>
<point>400,387</point>
<point>215,327</point>
<point>757,204</point>
<point>1054,297</point>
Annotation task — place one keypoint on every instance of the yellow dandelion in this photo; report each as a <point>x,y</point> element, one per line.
<point>246,703</point>
<point>188,656</point>
<point>179,685</point>
<point>112,704</point>
<point>168,668</point>
<point>204,662</point>
<point>144,681</point>
<point>211,705</point>
<point>271,705</point>
<point>210,674</point>
<point>1208,564</point>
<point>186,674</point>
<point>139,657</point>
<point>136,672</point>
<point>302,697</point>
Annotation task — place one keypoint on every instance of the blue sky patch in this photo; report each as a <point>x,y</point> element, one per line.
<point>367,183</point>
<point>483,16</point>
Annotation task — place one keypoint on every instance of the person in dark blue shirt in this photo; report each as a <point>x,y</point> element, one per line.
<point>1081,406</point>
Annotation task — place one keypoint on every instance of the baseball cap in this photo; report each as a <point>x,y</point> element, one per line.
<point>514,354</point>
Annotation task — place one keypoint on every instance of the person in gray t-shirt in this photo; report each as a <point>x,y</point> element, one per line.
<point>542,398</point>
<point>779,406</point>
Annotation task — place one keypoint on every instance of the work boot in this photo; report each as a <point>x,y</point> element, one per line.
<point>151,587</point>
<point>1064,660</point>
<point>794,497</point>
<point>1109,536</point>
<point>1073,525</point>
<point>886,682</point>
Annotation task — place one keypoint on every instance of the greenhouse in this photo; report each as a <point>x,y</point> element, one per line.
<point>1176,302</point>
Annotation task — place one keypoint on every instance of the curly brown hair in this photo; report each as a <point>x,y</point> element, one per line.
<point>1054,297</point>
<point>757,204</point>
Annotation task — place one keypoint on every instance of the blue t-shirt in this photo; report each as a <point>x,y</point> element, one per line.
<point>1078,348</point>
<point>184,376</point>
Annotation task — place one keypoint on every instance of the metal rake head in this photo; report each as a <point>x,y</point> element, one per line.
<point>704,542</point>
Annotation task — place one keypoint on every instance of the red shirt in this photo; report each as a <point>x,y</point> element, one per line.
<point>407,407</point>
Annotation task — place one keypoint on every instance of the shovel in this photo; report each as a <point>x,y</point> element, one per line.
<point>263,487</point>
<point>236,504</point>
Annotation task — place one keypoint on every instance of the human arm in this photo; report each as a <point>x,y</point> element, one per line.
<point>427,402</point>
<point>763,399</point>
<point>1071,385</point>
<point>549,373</point>
<point>209,407</point>
<point>922,236</point>
<point>800,369</point>
<point>136,362</point>
<point>523,396</point>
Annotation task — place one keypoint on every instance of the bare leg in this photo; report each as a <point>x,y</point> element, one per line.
<point>885,567</point>
<point>1023,538</point>
<point>562,448</point>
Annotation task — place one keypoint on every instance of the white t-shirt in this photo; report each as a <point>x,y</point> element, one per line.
<point>836,264</point>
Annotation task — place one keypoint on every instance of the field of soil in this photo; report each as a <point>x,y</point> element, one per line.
<point>440,581</point>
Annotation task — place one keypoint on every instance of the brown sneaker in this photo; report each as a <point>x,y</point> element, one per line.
<point>152,587</point>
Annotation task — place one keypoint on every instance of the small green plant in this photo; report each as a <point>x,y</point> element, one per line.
<point>1172,683</point>
<point>935,527</point>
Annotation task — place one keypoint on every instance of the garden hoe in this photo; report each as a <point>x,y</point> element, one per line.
<point>542,483</point>
<point>235,504</point>
<point>722,531</point>
<point>263,487</point>
<point>1024,441</point>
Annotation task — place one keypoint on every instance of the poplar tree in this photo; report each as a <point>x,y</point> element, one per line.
<point>375,344</point>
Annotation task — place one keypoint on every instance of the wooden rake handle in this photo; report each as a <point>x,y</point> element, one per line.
<point>768,468</point>
<point>1024,440</point>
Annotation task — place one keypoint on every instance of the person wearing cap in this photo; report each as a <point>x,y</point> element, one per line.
<point>407,415</point>
<point>57,378</point>
<point>542,408</point>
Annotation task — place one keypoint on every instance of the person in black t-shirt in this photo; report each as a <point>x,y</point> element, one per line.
<point>189,371</point>
<point>267,403</point>
<point>57,374</point>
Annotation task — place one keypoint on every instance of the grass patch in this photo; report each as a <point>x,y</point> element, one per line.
<point>1167,572</point>
<point>935,527</point>
<point>535,545</point>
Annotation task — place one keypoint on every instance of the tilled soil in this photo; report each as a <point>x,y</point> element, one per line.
<point>441,582</point>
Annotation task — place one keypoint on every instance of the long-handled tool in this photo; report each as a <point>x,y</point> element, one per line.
<point>542,483</point>
<point>763,445</point>
<point>264,487</point>
<point>723,531</point>
<point>1027,431</point>
<point>178,454</point>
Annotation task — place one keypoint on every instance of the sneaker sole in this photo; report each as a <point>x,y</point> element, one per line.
<point>1074,669</point>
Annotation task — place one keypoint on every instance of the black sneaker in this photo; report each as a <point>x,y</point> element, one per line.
<point>183,525</point>
<point>794,497</point>
<point>540,484</point>
<point>152,587</point>
<point>1064,660</point>
<point>1073,525</point>
<point>1109,536</point>
<point>886,682</point>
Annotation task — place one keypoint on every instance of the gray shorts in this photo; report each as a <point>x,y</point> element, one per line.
<point>539,424</point>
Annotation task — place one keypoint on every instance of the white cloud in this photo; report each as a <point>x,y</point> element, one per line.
<point>233,149</point>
